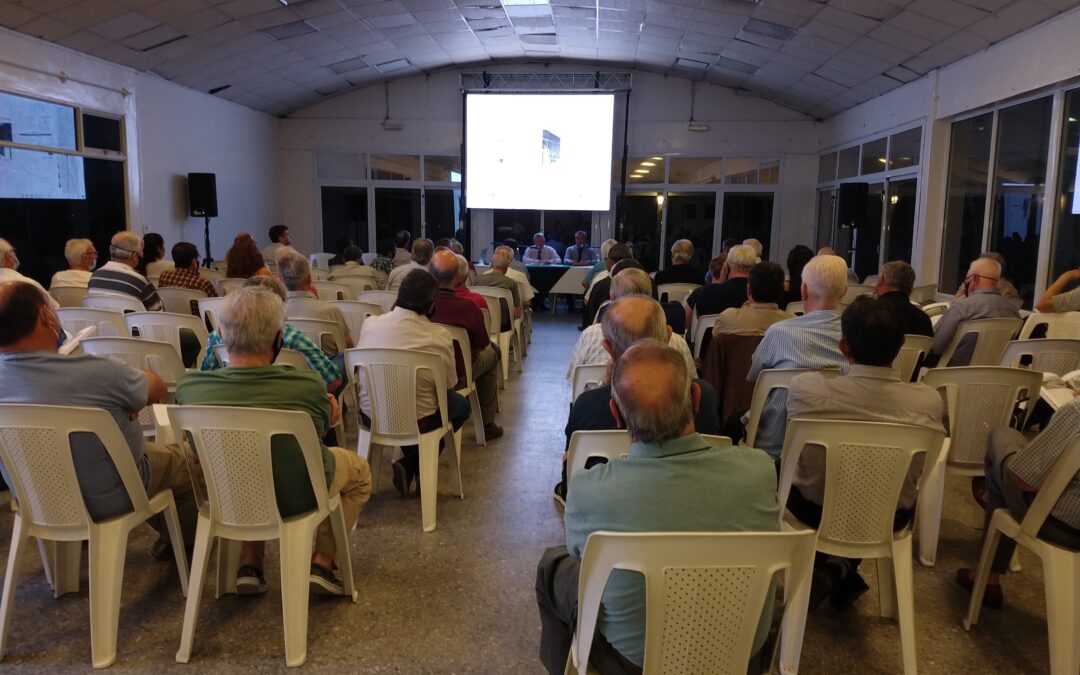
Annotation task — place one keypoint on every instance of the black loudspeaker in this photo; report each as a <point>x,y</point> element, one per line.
<point>851,205</point>
<point>202,195</point>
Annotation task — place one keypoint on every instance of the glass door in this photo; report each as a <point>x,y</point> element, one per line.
<point>344,218</point>
<point>900,219</point>
<point>748,215</point>
<point>866,237</point>
<point>641,227</point>
<point>826,217</point>
<point>692,215</point>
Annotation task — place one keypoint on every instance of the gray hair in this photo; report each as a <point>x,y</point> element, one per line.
<point>249,320</point>
<point>682,250</point>
<point>74,250</point>
<point>422,250</point>
<point>501,259</point>
<point>265,283</point>
<point>462,266</point>
<point>741,258</point>
<point>632,318</point>
<point>825,277</point>
<point>661,410</point>
<point>294,270</point>
<point>124,245</point>
<point>899,275</point>
<point>606,246</point>
<point>754,244</point>
<point>630,281</point>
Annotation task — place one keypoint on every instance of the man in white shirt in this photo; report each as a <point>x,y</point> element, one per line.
<point>353,266</point>
<point>525,289</point>
<point>407,327</point>
<point>82,258</point>
<point>118,276</point>
<point>401,248</point>
<point>279,239</point>
<point>421,256</point>
<point>540,253</point>
<point>9,264</point>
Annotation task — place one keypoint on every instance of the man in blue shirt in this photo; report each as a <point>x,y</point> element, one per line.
<point>671,481</point>
<point>580,253</point>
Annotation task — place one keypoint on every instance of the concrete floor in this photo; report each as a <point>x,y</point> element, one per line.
<point>460,599</point>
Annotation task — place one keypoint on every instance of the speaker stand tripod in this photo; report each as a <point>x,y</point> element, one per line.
<point>207,260</point>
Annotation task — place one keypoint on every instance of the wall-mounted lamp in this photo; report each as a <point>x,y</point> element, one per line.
<point>894,200</point>
<point>659,200</point>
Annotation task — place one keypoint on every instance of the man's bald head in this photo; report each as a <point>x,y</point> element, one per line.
<point>421,251</point>
<point>651,389</point>
<point>983,273</point>
<point>444,267</point>
<point>632,318</point>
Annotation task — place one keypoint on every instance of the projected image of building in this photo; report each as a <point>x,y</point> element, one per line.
<point>549,148</point>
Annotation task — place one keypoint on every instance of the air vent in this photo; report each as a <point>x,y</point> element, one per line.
<point>290,30</point>
<point>348,65</point>
<point>391,66</point>
<point>769,29</point>
<point>539,38</point>
<point>691,64</point>
<point>739,66</point>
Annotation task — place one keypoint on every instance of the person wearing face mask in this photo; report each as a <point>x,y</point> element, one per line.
<point>119,277</point>
<point>32,371</point>
<point>9,265</point>
<point>982,300</point>
<point>82,259</point>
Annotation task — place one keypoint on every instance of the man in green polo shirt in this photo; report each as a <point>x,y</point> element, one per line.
<point>251,324</point>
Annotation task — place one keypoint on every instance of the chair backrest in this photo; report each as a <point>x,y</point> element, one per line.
<point>489,320</point>
<point>159,357</point>
<point>211,274</point>
<point>607,444</point>
<point>208,307</point>
<point>675,292</point>
<point>356,312</point>
<point>924,293</point>
<point>317,329</point>
<point>979,399</point>
<point>286,357</point>
<point>460,336</point>
<point>357,284</point>
<point>233,447</point>
<point>1066,468</point>
<point>318,274</point>
<point>912,353</point>
<point>116,303</point>
<point>384,299</point>
<point>108,322</point>
<point>222,265</point>
<point>35,447</point>
<point>704,327</point>
<point>767,381</point>
<point>333,290</point>
<point>866,466</point>
<point>166,327</point>
<point>180,300</point>
<point>389,377</point>
<point>854,291</point>
<point>796,307</point>
<point>1059,325</point>
<point>600,311</point>
<point>705,593</point>
<point>584,376</point>
<point>69,296</point>
<point>495,308</point>
<point>504,295</point>
<point>369,258</point>
<point>870,280</point>
<point>226,286</point>
<point>935,308</point>
<point>991,337</point>
<point>321,260</point>
<point>1046,355</point>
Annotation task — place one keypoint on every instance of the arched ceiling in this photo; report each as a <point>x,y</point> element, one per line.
<point>819,57</point>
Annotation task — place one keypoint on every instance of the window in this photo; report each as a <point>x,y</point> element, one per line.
<point>396,209</point>
<point>965,197</point>
<point>746,215</point>
<point>752,170</point>
<point>102,133</point>
<point>639,170</point>
<point>904,148</point>
<point>439,169</point>
<point>696,170</point>
<point>692,215</point>
<point>826,168</point>
<point>1066,253</point>
<point>517,224</point>
<point>873,157</point>
<point>395,167</point>
<point>344,217</point>
<point>641,229</point>
<point>42,124</point>
<point>847,163</point>
<point>341,165</point>
<point>560,226</point>
<point>441,213</point>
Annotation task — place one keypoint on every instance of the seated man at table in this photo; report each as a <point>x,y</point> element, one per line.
<point>673,481</point>
<point>497,277</point>
<point>580,253</point>
<point>252,323</point>
<point>540,253</point>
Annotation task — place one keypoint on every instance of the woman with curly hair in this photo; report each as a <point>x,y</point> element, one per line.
<point>244,259</point>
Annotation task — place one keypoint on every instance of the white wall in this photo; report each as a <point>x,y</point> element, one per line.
<point>430,107</point>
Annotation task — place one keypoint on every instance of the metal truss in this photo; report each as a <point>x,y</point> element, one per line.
<point>545,82</point>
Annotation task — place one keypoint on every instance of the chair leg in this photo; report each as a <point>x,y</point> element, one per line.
<point>342,556</point>
<point>200,558</point>
<point>886,589</point>
<point>905,600</point>
<point>46,561</point>
<point>66,563</point>
<point>477,418</point>
<point>296,545</point>
<point>228,560</point>
<point>429,480</point>
<point>176,538</point>
<point>982,573</point>
<point>455,466</point>
<point>929,511</point>
<point>793,627</point>
<point>375,463</point>
<point>504,351</point>
<point>1060,571</point>
<point>19,539</point>
<point>108,550</point>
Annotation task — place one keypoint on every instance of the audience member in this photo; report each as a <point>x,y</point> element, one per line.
<point>796,261</point>
<point>279,239</point>
<point>302,303</point>
<point>243,259</point>
<point>154,263</point>
<point>828,250</point>
<point>497,277</point>
<point>682,270</point>
<point>755,244</point>
<point>421,256</point>
<point>185,271</point>
<point>385,251</point>
<point>983,300</point>
<point>894,286</point>
<point>599,269</point>
<point>868,390</point>
<point>352,263</point>
<point>764,289</point>
<point>1004,285</point>
<point>453,310</point>
<point>407,327</point>
<point>808,341</point>
<point>402,256</point>
<point>525,289</point>
<point>540,253</point>
<point>672,480</point>
<point>599,293</point>
<point>118,276</point>
<point>31,371</point>
<point>1058,297</point>
<point>1016,469</point>
<point>82,259</point>
<point>9,265</point>
<point>461,288</point>
<point>251,321</point>
<point>718,296</point>
<point>580,253</point>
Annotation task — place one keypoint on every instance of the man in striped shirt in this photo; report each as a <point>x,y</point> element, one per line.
<point>118,276</point>
<point>808,341</point>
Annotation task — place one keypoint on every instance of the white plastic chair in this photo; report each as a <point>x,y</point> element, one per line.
<point>226,286</point>
<point>992,336</point>
<point>675,292</point>
<point>468,388</point>
<point>517,338</point>
<point>389,377</point>
<point>356,313</point>
<point>233,446</point>
<point>924,293</point>
<point>912,353</point>
<point>1059,325</point>
<point>866,466</point>
<point>115,303</point>
<point>208,307</point>
<point>108,322</point>
<point>321,260</point>
<point>211,274</point>
<point>357,284</point>
<point>180,300</point>
<point>166,327</point>
<point>36,450</point>
<point>854,291</point>
<point>369,258</point>
<point>936,308</point>
<point>796,307</point>
<point>333,290</point>
<point>767,381</point>
<point>584,376</point>
<point>500,337</point>
<point>1061,567</point>
<point>222,265</point>
<point>978,399</point>
<point>317,330</point>
<point>319,274</point>
<point>384,299</point>
<point>1057,356</point>
<point>870,280</point>
<point>69,296</point>
<point>705,324</point>
<point>705,593</point>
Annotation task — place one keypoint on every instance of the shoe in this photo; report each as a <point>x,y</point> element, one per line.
<point>826,578</point>
<point>323,581</point>
<point>401,479</point>
<point>492,431</point>
<point>250,581</point>
<point>162,550</point>
<point>560,494</point>
<point>851,588</point>
<point>993,598</point>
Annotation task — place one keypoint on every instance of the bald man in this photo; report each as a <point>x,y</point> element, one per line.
<point>670,481</point>
<point>982,300</point>
<point>452,310</point>
<point>851,276</point>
